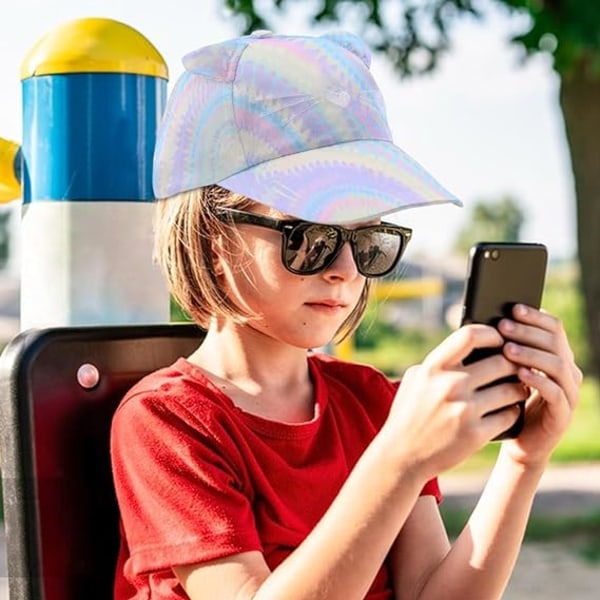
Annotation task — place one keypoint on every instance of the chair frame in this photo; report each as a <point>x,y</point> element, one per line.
<point>59,508</point>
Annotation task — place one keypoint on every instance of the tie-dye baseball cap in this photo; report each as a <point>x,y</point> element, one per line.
<point>294,122</point>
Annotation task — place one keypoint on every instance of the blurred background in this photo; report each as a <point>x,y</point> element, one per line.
<point>500,100</point>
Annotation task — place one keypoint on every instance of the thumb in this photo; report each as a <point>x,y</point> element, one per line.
<point>460,343</point>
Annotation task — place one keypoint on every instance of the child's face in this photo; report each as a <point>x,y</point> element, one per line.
<point>301,311</point>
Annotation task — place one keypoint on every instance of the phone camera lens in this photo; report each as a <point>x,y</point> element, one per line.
<point>493,254</point>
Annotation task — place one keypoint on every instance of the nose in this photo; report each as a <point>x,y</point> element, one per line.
<point>343,267</point>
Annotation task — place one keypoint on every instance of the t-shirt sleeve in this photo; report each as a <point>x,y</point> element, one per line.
<point>432,488</point>
<point>182,497</point>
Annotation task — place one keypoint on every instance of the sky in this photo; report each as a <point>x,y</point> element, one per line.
<point>486,124</point>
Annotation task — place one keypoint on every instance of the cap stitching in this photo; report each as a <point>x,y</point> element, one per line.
<point>238,130</point>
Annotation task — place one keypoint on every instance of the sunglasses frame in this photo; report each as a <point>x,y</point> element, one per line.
<point>287,226</point>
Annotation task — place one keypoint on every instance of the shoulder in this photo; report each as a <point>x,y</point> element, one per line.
<point>173,397</point>
<point>357,375</point>
<point>170,416</point>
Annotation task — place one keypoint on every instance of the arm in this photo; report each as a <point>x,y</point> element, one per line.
<point>483,557</point>
<point>488,547</point>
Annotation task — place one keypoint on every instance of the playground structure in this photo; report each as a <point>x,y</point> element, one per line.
<point>93,93</point>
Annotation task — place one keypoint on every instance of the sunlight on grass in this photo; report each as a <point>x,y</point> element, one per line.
<point>582,441</point>
<point>579,533</point>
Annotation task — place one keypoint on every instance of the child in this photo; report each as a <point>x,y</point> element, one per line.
<point>257,468</point>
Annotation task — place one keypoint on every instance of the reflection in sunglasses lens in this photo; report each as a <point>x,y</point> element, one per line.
<point>311,248</point>
<point>376,251</point>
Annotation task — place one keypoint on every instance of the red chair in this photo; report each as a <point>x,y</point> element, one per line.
<point>58,390</point>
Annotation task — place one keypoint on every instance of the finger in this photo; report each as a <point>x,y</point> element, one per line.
<point>562,372</point>
<point>499,396</point>
<point>492,368</point>
<point>547,405</point>
<point>500,421</point>
<point>459,344</point>
<point>528,335</point>
<point>537,318</point>
<point>546,330</point>
<point>546,388</point>
<point>555,340</point>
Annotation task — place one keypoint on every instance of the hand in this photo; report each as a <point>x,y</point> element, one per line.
<point>538,345</point>
<point>440,415</point>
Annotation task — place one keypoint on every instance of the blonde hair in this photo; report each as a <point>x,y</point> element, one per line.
<point>186,230</point>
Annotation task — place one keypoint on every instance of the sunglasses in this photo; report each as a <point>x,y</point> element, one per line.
<point>308,248</point>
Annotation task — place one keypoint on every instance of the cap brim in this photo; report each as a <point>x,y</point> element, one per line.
<point>345,183</point>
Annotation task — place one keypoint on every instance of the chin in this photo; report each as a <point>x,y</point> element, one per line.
<point>316,343</point>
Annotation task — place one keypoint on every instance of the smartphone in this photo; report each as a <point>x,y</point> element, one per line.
<point>500,275</point>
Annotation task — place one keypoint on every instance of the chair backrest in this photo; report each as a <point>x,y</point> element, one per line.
<point>59,506</point>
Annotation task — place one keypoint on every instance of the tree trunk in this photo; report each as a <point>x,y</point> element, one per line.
<point>580,102</point>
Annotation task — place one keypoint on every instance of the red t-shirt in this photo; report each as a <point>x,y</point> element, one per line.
<point>199,479</point>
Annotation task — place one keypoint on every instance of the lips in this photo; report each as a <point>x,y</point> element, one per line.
<point>328,302</point>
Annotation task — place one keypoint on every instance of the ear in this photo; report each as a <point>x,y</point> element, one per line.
<point>218,256</point>
<point>218,268</point>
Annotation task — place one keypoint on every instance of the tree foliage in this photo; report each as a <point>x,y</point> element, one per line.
<point>413,34</point>
<point>499,221</point>
<point>412,38</point>
<point>568,29</point>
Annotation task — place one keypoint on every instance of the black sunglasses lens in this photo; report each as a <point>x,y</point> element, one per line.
<point>310,248</point>
<point>377,250</point>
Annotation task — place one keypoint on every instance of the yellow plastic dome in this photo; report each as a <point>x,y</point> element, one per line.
<point>94,45</point>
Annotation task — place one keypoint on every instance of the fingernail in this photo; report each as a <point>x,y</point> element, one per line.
<point>507,325</point>
<point>513,348</point>
<point>521,309</point>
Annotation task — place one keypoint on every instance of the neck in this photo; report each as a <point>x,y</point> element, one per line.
<point>261,375</point>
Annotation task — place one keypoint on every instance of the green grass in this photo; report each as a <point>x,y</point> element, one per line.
<point>394,356</point>
<point>540,528</point>
<point>579,533</point>
<point>582,440</point>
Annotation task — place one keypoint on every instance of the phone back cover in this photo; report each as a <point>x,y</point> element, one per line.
<point>497,284</point>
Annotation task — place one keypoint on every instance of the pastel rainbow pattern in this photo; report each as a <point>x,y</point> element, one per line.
<point>294,122</point>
